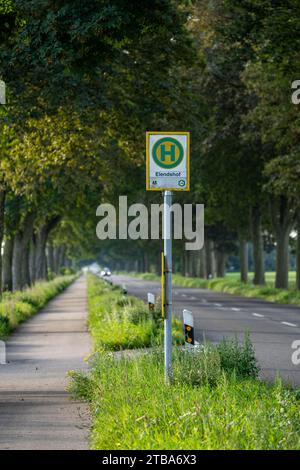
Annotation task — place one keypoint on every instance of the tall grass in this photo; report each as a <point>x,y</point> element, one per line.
<point>133,408</point>
<point>214,401</point>
<point>118,321</point>
<point>18,306</point>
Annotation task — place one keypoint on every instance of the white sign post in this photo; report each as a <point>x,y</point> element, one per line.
<point>167,170</point>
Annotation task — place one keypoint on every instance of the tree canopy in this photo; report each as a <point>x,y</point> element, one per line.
<point>85,80</point>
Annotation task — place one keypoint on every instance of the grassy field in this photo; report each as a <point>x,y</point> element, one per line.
<point>270,277</point>
<point>231,285</point>
<point>215,400</point>
<point>17,307</point>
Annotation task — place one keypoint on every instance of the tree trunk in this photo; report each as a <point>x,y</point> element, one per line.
<point>192,263</point>
<point>25,273</point>
<point>56,259</point>
<point>32,260</point>
<point>20,263</point>
<point>17,262</point>
<point>197,263</point>
<point>182,263</point>
<point>174,263</point>
<point>26,238</point>
<point>282,258</point>
<point>2,205</point>
<point>202,268</point>
<point>258,251</point>
<point>209,259</point>
<point>243,249</point>
<point>40,254</point>
<point>41,241</point>
<point>283,218</point>
<point>189,261</point>
<point>185,264</point>
<point>146,262</point>
<point>50,257</point>
<point>220,261</point>
<point>298,253</point>
<point>7,265</point>
<point>61,260</point>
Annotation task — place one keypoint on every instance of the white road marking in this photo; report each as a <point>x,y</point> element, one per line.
<point>193,298</point>
<point>183,295</point>
<point>288,324</point>
<point>258,315</point>
<point>235,309</point>
<point>218,305</point>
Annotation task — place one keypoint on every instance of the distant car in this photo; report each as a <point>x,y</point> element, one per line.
<point>94,268</point>
<point>105,272</point>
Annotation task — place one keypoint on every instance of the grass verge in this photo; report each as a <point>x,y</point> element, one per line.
<point>118,321</point>
<point>215,400</point>
<point>231,285</point>
<point>133,408</point>
<point>17,307</point>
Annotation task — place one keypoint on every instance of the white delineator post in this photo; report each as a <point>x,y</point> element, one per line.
<point>2,353</point>
<point>168,283</point>
<point>188,323</point>
<point>2,92</point>
<point>151,301</point>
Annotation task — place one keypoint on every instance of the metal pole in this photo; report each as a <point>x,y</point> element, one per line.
<point>168,283</point>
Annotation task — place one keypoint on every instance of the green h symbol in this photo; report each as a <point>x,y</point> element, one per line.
<point>165,152</point>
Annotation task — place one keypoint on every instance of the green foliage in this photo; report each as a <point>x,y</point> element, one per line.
<point>118,67</point>
<point>213,402</point>
<point>238,358</point>
<point>199,367</point>
<point>87,51</point>
<point>67,271</point>
<point>133,408</point>
<point>119,322</point>
<point>17,307</point>
<point>269,77</point>
<point>207,364</point>
<point>6,6</point>
<point>4,327</point>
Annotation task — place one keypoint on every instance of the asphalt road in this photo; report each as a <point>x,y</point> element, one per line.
<point>273,327</point>
<point>35,410</point>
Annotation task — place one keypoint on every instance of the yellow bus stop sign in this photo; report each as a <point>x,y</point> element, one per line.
<point>168,161</point>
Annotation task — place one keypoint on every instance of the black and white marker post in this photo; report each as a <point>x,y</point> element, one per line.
<point>2,92</point>
<point>151,301</point>
<point>188,323</point>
